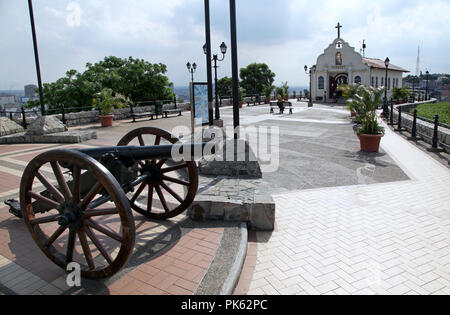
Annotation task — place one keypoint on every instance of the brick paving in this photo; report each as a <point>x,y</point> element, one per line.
<point>368,239</point>
<point>176,267</point>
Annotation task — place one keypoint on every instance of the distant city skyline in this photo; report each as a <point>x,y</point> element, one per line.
<point>285,34</point>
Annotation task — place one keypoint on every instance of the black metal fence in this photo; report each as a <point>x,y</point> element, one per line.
<point>415,133</point>
<point>22,115</point>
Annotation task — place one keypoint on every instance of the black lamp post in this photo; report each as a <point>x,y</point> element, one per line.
<point>426,88</point>
<point>191,69</point>
<point>385,109</point>
<point>223,50</point>
<point>36,56</point>
<point>310,103</point>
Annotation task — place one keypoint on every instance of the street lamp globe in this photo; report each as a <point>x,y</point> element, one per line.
<point>188,65</point>
<point>204,49</point>
<point>223,48</point>
<point>386,62</point>
<point>306,68</point>
<point>194,66</point>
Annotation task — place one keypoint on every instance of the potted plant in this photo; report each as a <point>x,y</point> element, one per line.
<point>105,102</point>
<point>241,97</point>
<point>369,131</point>
<point>285,88</point>
<point>348,93</point>
<point>268,92</point>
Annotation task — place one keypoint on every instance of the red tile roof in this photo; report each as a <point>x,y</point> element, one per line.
<point>378,63</point>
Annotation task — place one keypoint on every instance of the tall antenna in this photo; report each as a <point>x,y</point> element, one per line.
<point>418,61</point>
<point>364,48</point>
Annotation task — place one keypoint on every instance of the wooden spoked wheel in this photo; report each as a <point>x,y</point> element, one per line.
<point>69,184</point>
<point>170,187</point>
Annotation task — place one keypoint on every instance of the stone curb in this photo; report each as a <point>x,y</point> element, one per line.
<point>236,269</point>
<point>225,269</point>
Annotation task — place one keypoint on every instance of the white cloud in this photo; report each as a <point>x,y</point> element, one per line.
<point>285,34</point>
<point>74,17</point>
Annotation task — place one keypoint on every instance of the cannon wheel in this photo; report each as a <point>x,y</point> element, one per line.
<point>158,182</point>
<point>105,235</point>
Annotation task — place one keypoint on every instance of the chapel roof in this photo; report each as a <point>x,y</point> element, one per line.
<point>378,63</point>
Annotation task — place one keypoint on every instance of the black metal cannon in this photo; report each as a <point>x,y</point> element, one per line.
<point>88,194</point>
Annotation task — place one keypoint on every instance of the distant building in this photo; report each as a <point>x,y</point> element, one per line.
<point>30,91</point>
<point>7,99</point>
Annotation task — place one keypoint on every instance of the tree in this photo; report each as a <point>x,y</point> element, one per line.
<point>225,86</point>
<point>136,79</point>
<point>255,77</point>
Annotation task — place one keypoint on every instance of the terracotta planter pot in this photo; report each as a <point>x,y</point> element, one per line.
<point>241,103</point>
<point>353,114</point>
<point>370,143</point>
<point>267,100</point>
<point>106,120</point>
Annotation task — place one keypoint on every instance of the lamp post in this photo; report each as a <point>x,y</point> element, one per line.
<point>234,67</point>
<point>36,57</point>
<point>385,108</point>
<point>191,69</point>
<point>426,88</point>
<point>223,50</point>
<point>313,68</point>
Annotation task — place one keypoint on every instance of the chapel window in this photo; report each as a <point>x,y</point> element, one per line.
<point>372,81</point>
<point>382,81</point>
<point>321,83</point>
<point>389,84</point>
<point>376,84</point>
<point>358,79</point>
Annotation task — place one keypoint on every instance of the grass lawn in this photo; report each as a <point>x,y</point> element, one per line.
<point>430,110</point>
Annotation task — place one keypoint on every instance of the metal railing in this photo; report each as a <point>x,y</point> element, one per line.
<point>415,134</point>
<point>21,115</point>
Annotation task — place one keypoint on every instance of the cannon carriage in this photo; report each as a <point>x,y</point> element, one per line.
<point>77,204</point>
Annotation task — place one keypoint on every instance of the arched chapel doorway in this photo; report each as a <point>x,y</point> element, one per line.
<point>335,82</point>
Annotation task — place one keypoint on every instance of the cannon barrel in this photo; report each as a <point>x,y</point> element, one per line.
<point>149,152</point>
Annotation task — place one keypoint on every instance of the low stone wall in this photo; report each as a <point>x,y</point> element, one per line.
<point>88,117</point>
<point>423,127</point>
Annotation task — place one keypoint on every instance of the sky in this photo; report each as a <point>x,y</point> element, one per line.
<point>284,34</point>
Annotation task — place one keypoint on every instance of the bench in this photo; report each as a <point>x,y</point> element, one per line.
<point>281,106</point>
<point>172,111</point>
<point>141,115</point>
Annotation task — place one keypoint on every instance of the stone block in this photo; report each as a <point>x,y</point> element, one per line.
<point>45,125</point>
<point>8,127</point>
<point>262,213</point>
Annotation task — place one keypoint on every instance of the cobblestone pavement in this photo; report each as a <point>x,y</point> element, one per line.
<point>385,238</point>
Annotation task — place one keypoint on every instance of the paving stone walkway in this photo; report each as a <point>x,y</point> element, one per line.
<point>170,257</point>
<point>385,238</point>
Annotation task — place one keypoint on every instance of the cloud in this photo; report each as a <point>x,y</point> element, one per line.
<point>285,34</point>
<point>74,17</point>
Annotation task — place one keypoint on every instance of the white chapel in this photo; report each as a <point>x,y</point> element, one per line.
<point>341,64</point>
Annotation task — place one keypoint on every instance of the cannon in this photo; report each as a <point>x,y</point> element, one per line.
<point>77,203</point>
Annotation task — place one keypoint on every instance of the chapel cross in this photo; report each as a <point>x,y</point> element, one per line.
<point>339,26</point>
